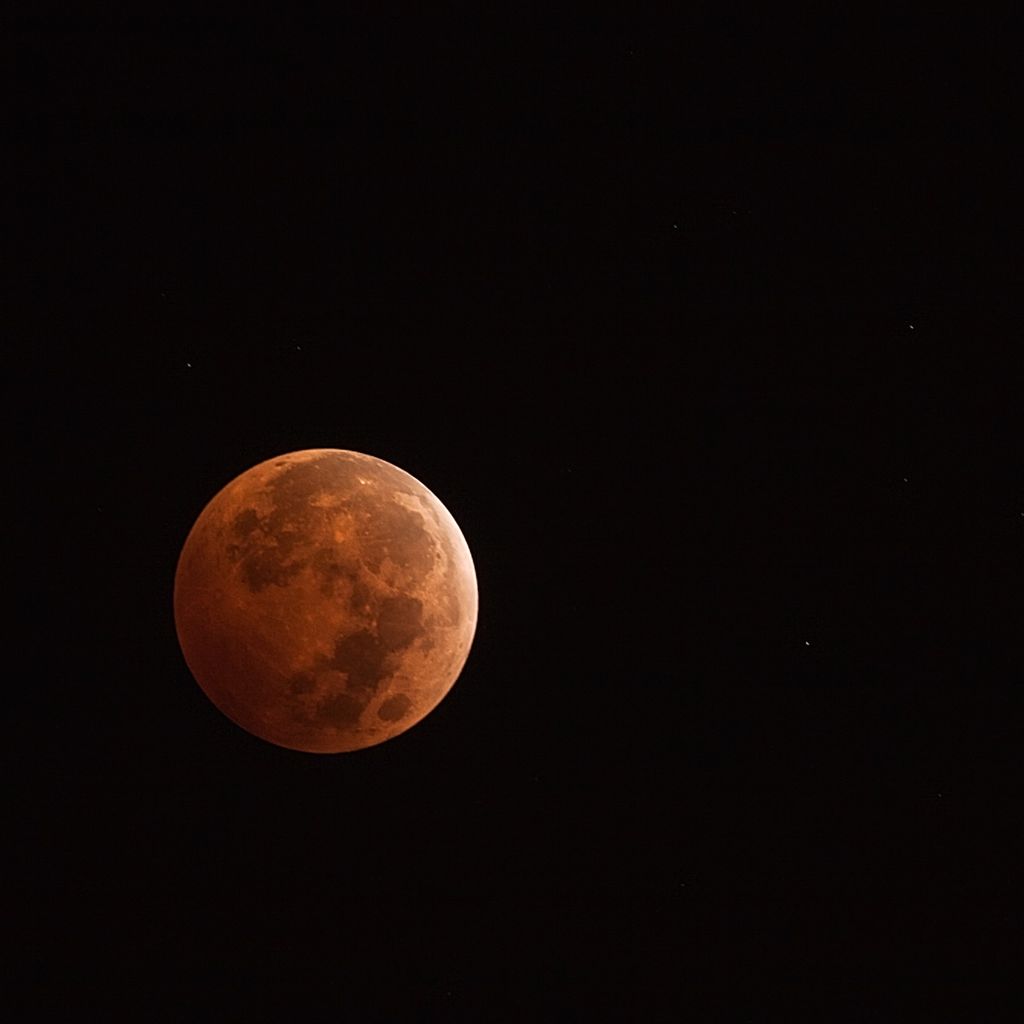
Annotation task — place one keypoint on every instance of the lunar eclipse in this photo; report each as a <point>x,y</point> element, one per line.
<point>325,600</point>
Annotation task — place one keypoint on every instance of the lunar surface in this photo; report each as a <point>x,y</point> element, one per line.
<point>325,600</point>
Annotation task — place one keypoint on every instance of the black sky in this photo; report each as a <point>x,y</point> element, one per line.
<point>720,377</point>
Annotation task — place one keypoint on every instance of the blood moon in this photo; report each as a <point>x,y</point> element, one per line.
<point>325,600</point>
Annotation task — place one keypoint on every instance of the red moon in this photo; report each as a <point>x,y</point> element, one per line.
<point>325,601</point>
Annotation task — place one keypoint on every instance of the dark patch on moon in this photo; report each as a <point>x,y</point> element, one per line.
<point>329,568</point>
<point>361,656</point>
<point>329,472</point>
<point>340,709</point>
<point>288,539</point>
<point>265,567</point>
<point>300,683</point>
<point>394,708</point>
<point>294,487</point>
<point>269,547</point>
<point>360,599</point>
<point>389,530</point>
<point>399,621</point>
<point>245,522</point>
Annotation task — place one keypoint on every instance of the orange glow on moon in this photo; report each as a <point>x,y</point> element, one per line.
<point>325,600</point>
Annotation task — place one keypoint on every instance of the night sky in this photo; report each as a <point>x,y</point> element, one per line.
<point>722,387</point>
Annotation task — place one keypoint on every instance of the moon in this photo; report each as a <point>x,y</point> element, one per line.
<point>325,600</point>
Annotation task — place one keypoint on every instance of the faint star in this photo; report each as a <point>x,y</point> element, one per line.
<point>911,326</point>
